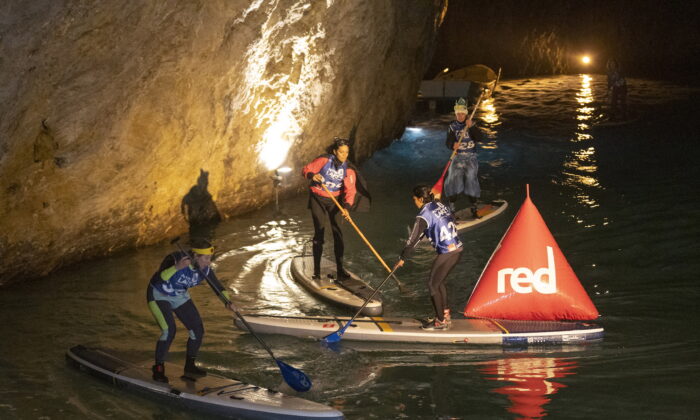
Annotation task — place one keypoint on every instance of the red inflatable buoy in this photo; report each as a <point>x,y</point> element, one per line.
<point>528,277</point>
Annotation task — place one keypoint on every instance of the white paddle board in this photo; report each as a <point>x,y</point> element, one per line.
<point>408,330</point>
<point>350,293</point>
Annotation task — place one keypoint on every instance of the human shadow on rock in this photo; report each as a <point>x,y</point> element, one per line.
<point>199,209</point>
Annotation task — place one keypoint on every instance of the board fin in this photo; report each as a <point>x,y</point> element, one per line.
<point>528,277</point>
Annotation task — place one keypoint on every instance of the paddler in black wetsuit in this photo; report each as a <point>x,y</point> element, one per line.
<point>435,221</point>
<point>343,181</point>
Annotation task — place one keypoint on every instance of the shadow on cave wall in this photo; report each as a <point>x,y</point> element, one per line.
<point>199,209</point>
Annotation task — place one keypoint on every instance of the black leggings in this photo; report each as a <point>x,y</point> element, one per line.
<point>187,314</point>
<point>323,208</point>
<point>443,264</point>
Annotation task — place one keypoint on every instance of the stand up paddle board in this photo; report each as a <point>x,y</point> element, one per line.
<point>212,394</point>
<point>350,293</point>
<point>408,330</point>
<point>485,212</point>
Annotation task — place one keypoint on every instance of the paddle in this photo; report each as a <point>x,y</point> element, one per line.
<point>376,254</point>
<point>437,188</point>
<point>336,336</point>
<point>294,377</point>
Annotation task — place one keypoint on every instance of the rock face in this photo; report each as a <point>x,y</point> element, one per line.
<point>120,121</point>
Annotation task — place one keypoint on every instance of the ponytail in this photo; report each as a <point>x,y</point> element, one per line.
<point>423,192</point>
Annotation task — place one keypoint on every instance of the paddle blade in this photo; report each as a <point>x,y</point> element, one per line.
<point>333,337</point>
<point>294,377</point>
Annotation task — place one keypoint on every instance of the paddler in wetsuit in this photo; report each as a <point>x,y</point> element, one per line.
<point>167,294</point>
<point>435,221</point>
<point>462,174</point>
<point>342,179</point>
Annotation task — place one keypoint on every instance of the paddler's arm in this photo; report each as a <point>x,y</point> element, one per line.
<point>311,171</point>
<point>451,139</point>
<point>219,289</point>
<point>350,191</point>
<point>169,272</point>
<point>419,227</point>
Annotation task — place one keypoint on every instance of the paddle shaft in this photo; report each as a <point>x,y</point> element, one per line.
<point>227,301</point>
<point>341,331</point>
<point>376,254</point>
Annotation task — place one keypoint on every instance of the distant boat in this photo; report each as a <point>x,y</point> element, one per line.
<point>481,77</point>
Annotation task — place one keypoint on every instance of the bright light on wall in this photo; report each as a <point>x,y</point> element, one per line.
<point>280,102</point>
<point>586,59</point>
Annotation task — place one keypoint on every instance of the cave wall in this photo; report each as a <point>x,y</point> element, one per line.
<point>112,114</point>
<point>650,38</point>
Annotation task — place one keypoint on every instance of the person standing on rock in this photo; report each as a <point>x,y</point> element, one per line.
<point>436,222</point>
<point>167,294</point>
<point>341,180</point>
<point>462,136</point>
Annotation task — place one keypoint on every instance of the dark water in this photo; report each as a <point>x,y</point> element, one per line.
<point>622,202</point>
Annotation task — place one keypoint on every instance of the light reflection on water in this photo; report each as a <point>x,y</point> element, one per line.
<point>530,381</point>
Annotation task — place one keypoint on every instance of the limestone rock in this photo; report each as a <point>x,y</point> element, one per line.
<point>110,112</point>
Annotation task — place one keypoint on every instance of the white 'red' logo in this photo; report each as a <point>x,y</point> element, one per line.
<point>522,279</point>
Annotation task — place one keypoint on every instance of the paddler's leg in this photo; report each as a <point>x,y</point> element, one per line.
<point>162,312</point>
<point>443,264</point>
<point>454,184</point>
<point>338,244</point>
<point>188,314</point>
<point>472,189</point>
<point>318,214</point>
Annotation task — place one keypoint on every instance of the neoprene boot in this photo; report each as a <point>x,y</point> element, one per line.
<point>159,373</point>
<point>192,369</point>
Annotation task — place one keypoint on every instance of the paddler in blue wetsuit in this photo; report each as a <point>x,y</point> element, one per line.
<point>462,174</point>
<point>168,294</point>
<point>342,179</point>
<point>435,221</point>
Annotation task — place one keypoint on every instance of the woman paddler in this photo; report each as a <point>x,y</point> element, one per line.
<point>167,294</point>
<point>339,176</point>
<point>435,221</point>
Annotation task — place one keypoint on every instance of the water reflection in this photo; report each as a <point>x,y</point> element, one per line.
<point>530,379</point>
<point>490,120</point>
<point>580,166</point>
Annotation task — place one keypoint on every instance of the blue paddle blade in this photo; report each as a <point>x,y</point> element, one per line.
<point>294,377</point>
<point>332,338</point>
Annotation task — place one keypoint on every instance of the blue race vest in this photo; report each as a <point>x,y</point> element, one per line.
<point>334,177</point>
<point>467,145</point>
<point>178,284</point>
<point>441,229</point>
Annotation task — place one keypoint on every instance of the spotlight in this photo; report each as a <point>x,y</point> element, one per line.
<point>586,59</point>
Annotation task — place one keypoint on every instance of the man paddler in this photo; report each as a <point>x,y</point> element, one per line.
<point>341,180</point>
<point>462,136</point>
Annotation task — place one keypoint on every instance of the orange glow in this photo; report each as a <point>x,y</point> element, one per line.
<point>586,59</point>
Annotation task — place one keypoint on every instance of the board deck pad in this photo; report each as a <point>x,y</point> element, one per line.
<point>350,293</point>
<point>211,393</point>
<point>485,211</point>
<point>408,330</point>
